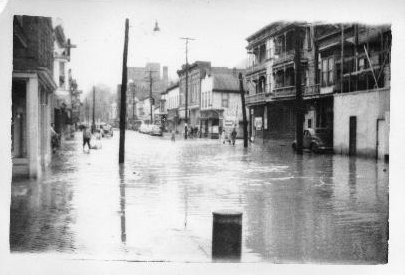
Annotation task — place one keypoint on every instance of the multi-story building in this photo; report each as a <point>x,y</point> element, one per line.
<point>196,72</point>
<point>345,76</point>
<point>271,79</point>
<point>221,105</point>
<point>144,108</point>
<point>32,89</point>
<point>62,101</point>
<point>354,62</point>
<point>172,102</point>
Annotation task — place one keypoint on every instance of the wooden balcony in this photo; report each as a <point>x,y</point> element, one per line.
<point>282,92</point>
<point>312,90</point>
<point>256,68</point>
<point>287,57</point>
<point>255,99</point>
<point>284,57</point>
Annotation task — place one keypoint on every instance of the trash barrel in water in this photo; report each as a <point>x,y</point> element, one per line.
<point>226,235</point>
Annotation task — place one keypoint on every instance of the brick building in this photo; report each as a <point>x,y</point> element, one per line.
<point>32,89</point>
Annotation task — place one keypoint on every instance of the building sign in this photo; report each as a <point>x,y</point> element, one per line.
<point>229,123</point>
<point>258,123</point>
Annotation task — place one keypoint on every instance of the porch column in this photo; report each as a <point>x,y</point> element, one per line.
<point>33,127</point>
<point>48,119</point>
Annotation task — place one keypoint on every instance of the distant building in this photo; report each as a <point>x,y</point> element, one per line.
<point>196,72</point>
<point>62,76</point>
<point>32,90</point>
<point>221,105</point>
<point>139,88</point>
<point>144,108</point>
<point>171,106</point>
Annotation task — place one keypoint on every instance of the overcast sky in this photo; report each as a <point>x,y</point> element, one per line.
<point>220,28</point>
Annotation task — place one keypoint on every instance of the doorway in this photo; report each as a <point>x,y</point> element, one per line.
<point>19,120</point>
<point>352,135</point>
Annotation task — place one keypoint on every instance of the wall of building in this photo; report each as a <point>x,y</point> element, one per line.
<point>173,98</point>
<point>374,105</point>
<point>39,52</point>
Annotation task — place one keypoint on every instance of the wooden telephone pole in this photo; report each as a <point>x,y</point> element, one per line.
<point>93,125</point>
<point>123,104</point>
<point>299,103</point>
<point>151,100</point>
<point>242,95</point>
<point>186,106</point>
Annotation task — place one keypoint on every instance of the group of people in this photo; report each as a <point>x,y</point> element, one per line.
<point>231,139</point>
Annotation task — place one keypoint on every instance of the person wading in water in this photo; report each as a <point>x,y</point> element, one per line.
<point>86,137</point>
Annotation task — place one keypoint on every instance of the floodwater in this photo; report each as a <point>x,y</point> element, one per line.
<point>158,206</point>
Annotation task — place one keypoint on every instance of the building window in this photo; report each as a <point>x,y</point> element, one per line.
<point>225,100</point>
<point>327,72</point>
<point>262,53</point>
<point>309,123</point>
<point>362,65</point>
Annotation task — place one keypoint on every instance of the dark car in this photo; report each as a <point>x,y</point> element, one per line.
<point>316,140</point>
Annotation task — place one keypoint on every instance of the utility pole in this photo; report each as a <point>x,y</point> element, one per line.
<point>298,89</point>
<point>151,98</point>
<point>123,102</point>
<point>150,80</point>
<point>87,113</point>
<point>93,125</point>
<point>342,57</point>
<point>242,95</point>
<point>133,104</point>
<point>186,92</point>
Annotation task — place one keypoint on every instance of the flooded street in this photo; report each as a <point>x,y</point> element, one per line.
<point>158,206</point>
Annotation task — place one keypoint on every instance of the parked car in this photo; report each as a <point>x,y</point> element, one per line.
<point>316,140</point>
<point>144,129</point>
<point>156,130</point>
<point>107,130</point>
<point>137,125</point>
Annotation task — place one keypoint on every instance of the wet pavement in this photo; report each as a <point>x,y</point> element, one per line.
<point>158,206</point>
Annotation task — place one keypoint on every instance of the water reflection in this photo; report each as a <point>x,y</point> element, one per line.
<point>296,208</point>
<point>122,202</point>
<point>352,180</point>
